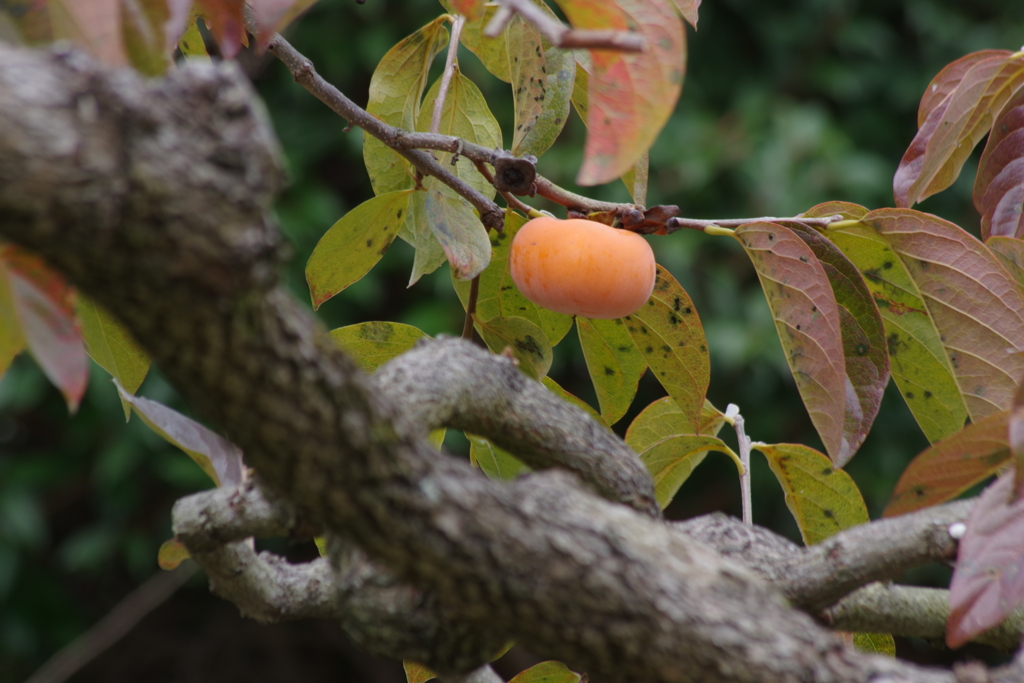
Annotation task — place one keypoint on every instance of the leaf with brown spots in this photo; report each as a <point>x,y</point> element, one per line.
<point>954,126</point>
<point>977,307</point>
<point>614,364</point>
<point>542,81</point>
<point>44,304</point>
<point>999,186</point>
<point>373,344</point>
<point>864,347</point>
<point>353,245</point>
<point>498,296</point>
<point>668,333</point>
<point>917,359</point>
<point>527,341</point>
<point>1010,252</point>
<point>988,582</point>
<point>631,95</point>
<point>953,465</point>
<point>823,500</point>
<point>808,322</point>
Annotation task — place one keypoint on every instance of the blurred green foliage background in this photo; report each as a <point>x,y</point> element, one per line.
<point>785,105</point>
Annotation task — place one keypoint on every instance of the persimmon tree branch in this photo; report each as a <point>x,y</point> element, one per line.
<point>560,35</point>
<point>154,197</point>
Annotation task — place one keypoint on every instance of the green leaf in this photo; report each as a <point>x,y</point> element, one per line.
<point>631,95</point>
<point>458,230</point>
<point>496,463</point>
<point>953,465</point>
<point>491,52</point>
<point>614,364</point>
<point>142,28</point>
<point>11,340</point>
<point>668,333</point>
<point>808,322</point>
<point>429,254</point>
<point>879,643</point>
<point>547,672</point>
<point>977,307</point>
<point>498,296</point>
<point>417,673</point>
<point>663,418</point>
<point>465,115</point>
<point>171,554</point>
<point>864,346</point>
<point>373,344</point>
<point>1010,252</point>
<point>917,360</point>
<point>112,347</point>
<point>527,341</point>
<point>353,245</point>
<point>542,81</point>
<point>823,500</point>
<point>395,91</point>
<point>191,42</point>
<point>554,388</point>
<point>672,460</point>
<point>219,459</point>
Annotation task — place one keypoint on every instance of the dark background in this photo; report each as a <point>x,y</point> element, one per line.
<point>785,105</point>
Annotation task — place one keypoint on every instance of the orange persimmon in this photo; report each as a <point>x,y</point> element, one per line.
<point>582,267</point>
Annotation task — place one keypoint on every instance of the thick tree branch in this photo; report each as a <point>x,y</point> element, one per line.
<point>153,195</point>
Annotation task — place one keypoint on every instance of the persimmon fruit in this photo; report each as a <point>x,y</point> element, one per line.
<point>582,267</point>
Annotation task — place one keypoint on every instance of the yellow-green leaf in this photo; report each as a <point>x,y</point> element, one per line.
<point>171,554</point>
<point>547,672</point>
<point>498,296</point>
<point>417,232</point>
<point>191,42</point>
<point>11,340</point>
<point>112,347</point>
<point>373,344</point>
<point>917,359</point>
<point>879,643</point>
<point>459,232</point>
<point>142,27</point>
<point>496,463</point>
<point>417,673</point>
<point>823,500</point>
<point>353,245</point>
<point>491,52</point>
<point>663,418</point>
<point>671,461</point>
<point>556,389</point>
<point>668,333</point>
<point>614,364</point>
<point>527,341</point>
<point>395,91</point>
<point>635,180</point>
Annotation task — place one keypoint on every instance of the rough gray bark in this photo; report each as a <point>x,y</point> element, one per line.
<point>153,197</point>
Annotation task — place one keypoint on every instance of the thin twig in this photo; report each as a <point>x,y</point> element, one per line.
<point>571,200</point>
<point>449,71</point>
<point>111,628</point>
<point>561,35</point>
<point>732,414</point>
<point>474,292</point>
<point>675,224</point>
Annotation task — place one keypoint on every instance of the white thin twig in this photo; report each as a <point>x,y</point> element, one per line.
<point>449,71</point>
<point>561,35</point>
<point>733,416</point>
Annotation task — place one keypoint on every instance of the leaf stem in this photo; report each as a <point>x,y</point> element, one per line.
<point>718,230</point>
<point>733,417</point>
<point>449,70</point>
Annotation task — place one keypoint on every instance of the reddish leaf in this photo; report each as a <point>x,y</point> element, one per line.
<point>688,8</point>
<point>999,187</point>
<point>631,94</point>
<point>274,15</point>
<point>947,80</point>
<point>1016,438</point>
<point>988,582</point>
<point>172,553</point>
<point>953,465</point>
<point>845,209</point>
<point>94,26</point>
<point>965,120</point>
<point>30,20</point>
<point>220,459</point>
<point>864,345</point>
<point>977,307</point>
<point>1010,252</point>
<point>808,321</point>
<point>468,8</point>
<point>224,17</point>
<point>44,303</point>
